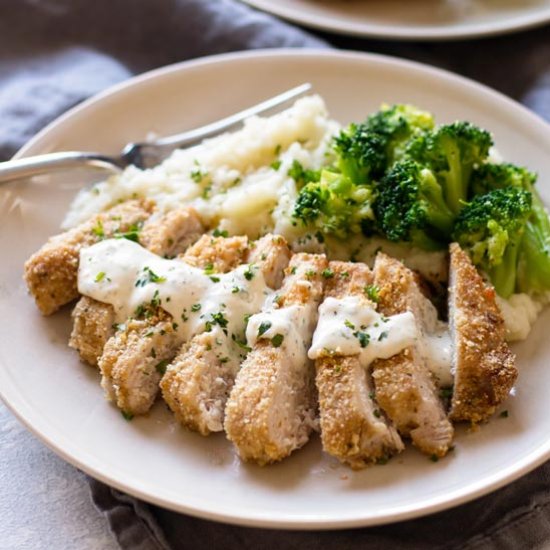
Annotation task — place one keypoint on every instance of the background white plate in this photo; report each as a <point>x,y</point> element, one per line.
<point>412,19</point>
<point>60,400</point>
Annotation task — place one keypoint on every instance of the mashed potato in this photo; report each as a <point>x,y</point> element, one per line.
<point>238,181</point>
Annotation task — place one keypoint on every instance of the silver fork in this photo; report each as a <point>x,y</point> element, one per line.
<point>142,154</point>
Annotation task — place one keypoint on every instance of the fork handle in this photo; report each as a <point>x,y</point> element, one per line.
<point>32,166</point>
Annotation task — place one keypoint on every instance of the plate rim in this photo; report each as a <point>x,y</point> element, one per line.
<point>429,34</point>
<point>69,452</point>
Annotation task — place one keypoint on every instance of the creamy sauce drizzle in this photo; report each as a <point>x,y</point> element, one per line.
<point>293,323</point>
<point>127,276</point>
<point>349,327</point>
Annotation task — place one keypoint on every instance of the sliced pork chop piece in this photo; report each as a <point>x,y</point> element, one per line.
<point>484,366</point>
<point>129,367</point>
<point>166,235</point>
<point>197,383</point>
<point>405,388</point>
<point>353,429</point>
<point>271,409</point>
<point>51,273</point>
<point>172,233</point>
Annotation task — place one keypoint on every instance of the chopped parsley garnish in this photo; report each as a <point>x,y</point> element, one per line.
<point>277,340</point>
<point>220,233</point>
<point>504,414</point>
<point>293,270</point>
<point>276,164</point>
<point>100,276</point>
<point>249,274</point>
<point>132,234</point>
<point>219,319</point>
<point>310,273</point>
<point>235,289</point>
<point>198,175</point>
<point>376,413</point>
<point>209,268</point>
<point>161,367</point>
<point>363,338</point>
<point>383,336</point>
<point>327,273</point>
<point>264,327</point>
<point>373,293</point>
<point>196,307</point>
<point>127,415</point>
<point>349,324</point>
<point>446,393</point>
<point>149,276</point>
<point>98,230</point>
<point>344,274</point>
<point>224,359</point>
<point>155,302</point>
<point>214,279</point>
<point>434,458</point>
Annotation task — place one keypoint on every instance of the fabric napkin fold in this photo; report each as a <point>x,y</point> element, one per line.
<point>58,52</point>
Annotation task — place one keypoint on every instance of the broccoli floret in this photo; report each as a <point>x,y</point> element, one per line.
<point>534,250</point>
<point>302,175</point>
<point>491,229</point>
<point>366,150</point>
<point>452,152</point>
<point>409,207</point>
<point>489,176</point>
<point>334,205</point>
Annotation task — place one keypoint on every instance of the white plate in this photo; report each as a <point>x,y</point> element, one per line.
<point>412,19</point>
<point>60,400</point>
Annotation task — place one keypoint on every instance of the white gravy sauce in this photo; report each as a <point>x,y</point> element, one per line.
<point>127,276</point>
<point>290,327</point>
<point>348,327</point>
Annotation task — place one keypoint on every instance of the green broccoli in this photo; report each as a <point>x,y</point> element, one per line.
<point>302,175</point>
<point>366,150</point>
<point>334,205</point>
<point>534,251</point>
<point>452,152</point>
<point>491,228</point>
<point>409,206</point>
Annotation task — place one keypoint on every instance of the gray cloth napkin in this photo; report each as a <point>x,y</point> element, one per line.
<point>56,53</point>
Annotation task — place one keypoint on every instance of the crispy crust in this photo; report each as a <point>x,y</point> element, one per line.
<point>172,233</point>
<point>51,273</point>
<point>271,409</point>
<point>485,368</point>
<point>405,388</point>
<point>352,427</point>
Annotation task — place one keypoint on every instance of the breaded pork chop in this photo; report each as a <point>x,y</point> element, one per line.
<point>271,409</point>
<point>198,381</point>
<point>130,369</point>
<point>352,427</point>
<point>484,366</point>
<point>166,235</point>
<point>405,388</point>
<point>51,273</point>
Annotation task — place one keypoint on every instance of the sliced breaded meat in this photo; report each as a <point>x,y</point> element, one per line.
<point>219,254</point>
<point>484,366</point>
<point>93,325</point>
<point>166,235</point>
<point>171,233</point>
<point>197,383</point>
<point>405,388</point>
<point>353,429</point>
<point>51,273</point>
<point>271,409</point>
<point>133,362</point>
<point>273,253</point>
<point>130,375</point>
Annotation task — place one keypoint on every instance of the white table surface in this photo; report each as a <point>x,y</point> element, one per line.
<point>44,502</point>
